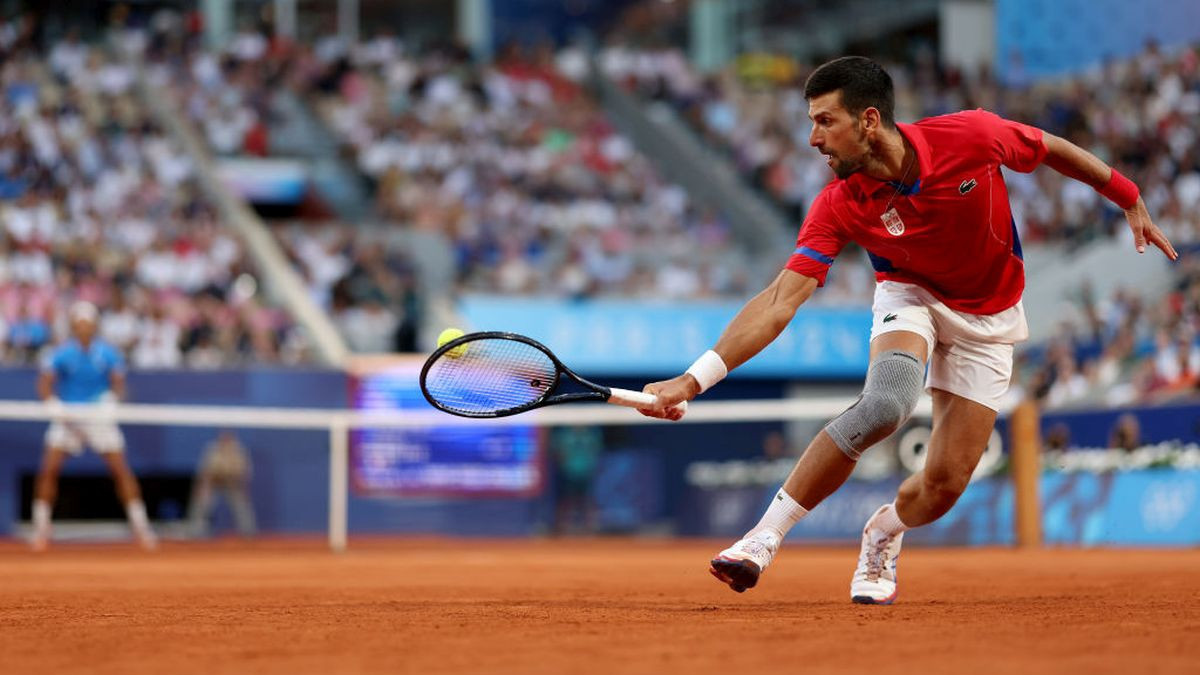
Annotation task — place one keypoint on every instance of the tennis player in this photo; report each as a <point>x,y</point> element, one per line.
<point>928,203</point>
<point>84,370</point>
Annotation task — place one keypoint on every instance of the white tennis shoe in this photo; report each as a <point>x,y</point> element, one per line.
<point>740,565</point>
<point>146,538</point>
<point>874,580</point>
<point>40,541</point>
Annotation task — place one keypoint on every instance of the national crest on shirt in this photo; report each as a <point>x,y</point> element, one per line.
<point>891,220</point>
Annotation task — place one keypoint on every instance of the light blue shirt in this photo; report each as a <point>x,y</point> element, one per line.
<point>82,376</point>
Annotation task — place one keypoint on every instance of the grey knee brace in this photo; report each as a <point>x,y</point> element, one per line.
<point>894,382</point>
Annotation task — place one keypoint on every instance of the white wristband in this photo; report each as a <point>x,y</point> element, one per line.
<point>708,370</point>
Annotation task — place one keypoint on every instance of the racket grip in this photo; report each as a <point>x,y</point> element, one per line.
<point>638,399</point>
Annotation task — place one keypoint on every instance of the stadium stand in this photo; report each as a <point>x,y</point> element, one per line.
<point>367,284</point>
<point>520,169</point>
<point>532,187</point>
<point>101,205</point>
<point>1126,352</point>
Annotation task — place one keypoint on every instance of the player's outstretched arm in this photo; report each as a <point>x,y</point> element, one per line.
<point>116,384</point>
<point>758,323</point>
<point>762,319</point>
<point>45,385</point>
<point>1074,162</point>
<point>45,391</point>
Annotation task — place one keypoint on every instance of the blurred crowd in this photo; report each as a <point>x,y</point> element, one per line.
<point>512,162</point>
<point>226,94</point>
<point>359,274</point>
<point>363,277</point>
<point>1126,352</point>
<point>100,204</point>
<point>519,167</point>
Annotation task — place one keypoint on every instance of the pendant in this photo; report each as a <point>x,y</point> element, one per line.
<point>891,220</point>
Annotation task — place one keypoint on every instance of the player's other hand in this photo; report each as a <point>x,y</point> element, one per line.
<point>669,393</point>
<point>106,406</point>
<point>55,409</point>
<point>1145,231</point>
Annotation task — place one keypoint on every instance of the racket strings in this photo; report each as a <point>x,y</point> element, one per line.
<point>490,375</point>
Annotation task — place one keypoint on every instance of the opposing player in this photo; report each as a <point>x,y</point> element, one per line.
<point>84,370</point>
<point>929,204</point>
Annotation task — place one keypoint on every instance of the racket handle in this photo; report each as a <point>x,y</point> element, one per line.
<point>638,399</point>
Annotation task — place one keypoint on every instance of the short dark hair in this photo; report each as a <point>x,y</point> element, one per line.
<point>863,83</point>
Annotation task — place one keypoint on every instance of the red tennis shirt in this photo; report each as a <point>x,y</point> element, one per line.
<point>951,231</point>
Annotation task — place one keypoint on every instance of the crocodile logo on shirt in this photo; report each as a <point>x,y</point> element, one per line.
<point>966,186</point>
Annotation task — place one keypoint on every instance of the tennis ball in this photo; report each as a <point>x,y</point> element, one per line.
<point>452,334</point>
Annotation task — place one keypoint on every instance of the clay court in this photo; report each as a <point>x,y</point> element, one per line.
<point>590,606</point>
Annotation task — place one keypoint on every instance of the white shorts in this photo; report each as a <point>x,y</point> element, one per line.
<point>970,355</point>
<point>71,435</point>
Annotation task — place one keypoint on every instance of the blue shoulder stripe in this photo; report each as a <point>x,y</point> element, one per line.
<point>814,254</point>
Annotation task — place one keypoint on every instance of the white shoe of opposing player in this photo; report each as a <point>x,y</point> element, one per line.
<point>741,564</point>
<point>40,541</point>
<point>874,580</point>
<point>146,538</point>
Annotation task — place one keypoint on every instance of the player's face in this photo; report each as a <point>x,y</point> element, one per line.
<point>837,134</point>
<point>83,329</point>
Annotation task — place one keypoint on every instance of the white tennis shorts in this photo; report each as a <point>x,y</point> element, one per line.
<point>71,435</point>
<point>970,355</point>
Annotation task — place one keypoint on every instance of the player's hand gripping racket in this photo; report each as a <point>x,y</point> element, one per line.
<point>497,374</point>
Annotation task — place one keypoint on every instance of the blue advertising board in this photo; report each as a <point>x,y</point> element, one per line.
<point>1155,507</point>
<point>1035,38</point>
<point>660,338</point>
<point>1152,507</point>
<point>1095,428</point>
<point>456,460</point>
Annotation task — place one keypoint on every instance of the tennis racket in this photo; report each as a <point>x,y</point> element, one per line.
<point>497,374</point>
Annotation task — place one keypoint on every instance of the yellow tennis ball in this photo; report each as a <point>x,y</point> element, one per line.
<point>452,334</point>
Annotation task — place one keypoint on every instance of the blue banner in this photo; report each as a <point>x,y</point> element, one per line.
<point>1156,507</point>
<point>1153,507</point>
<point>659,338</point>
<point>1097,428</point>
<point>1036,39</point>
<point>458,460</point>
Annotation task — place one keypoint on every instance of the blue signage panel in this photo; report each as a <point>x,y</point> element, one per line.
<point>1036,39</point>
<point>459,460</point>
<point>1095,428</point>
<point>643,338</point>
<point>1154,507</point>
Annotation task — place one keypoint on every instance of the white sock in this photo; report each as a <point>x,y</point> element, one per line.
<point>889,521</point>
<point>41,515</point>
<point>781,515</point>
<point>135,510</point>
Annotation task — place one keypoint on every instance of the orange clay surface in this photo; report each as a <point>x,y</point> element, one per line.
<point>586,606</point>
